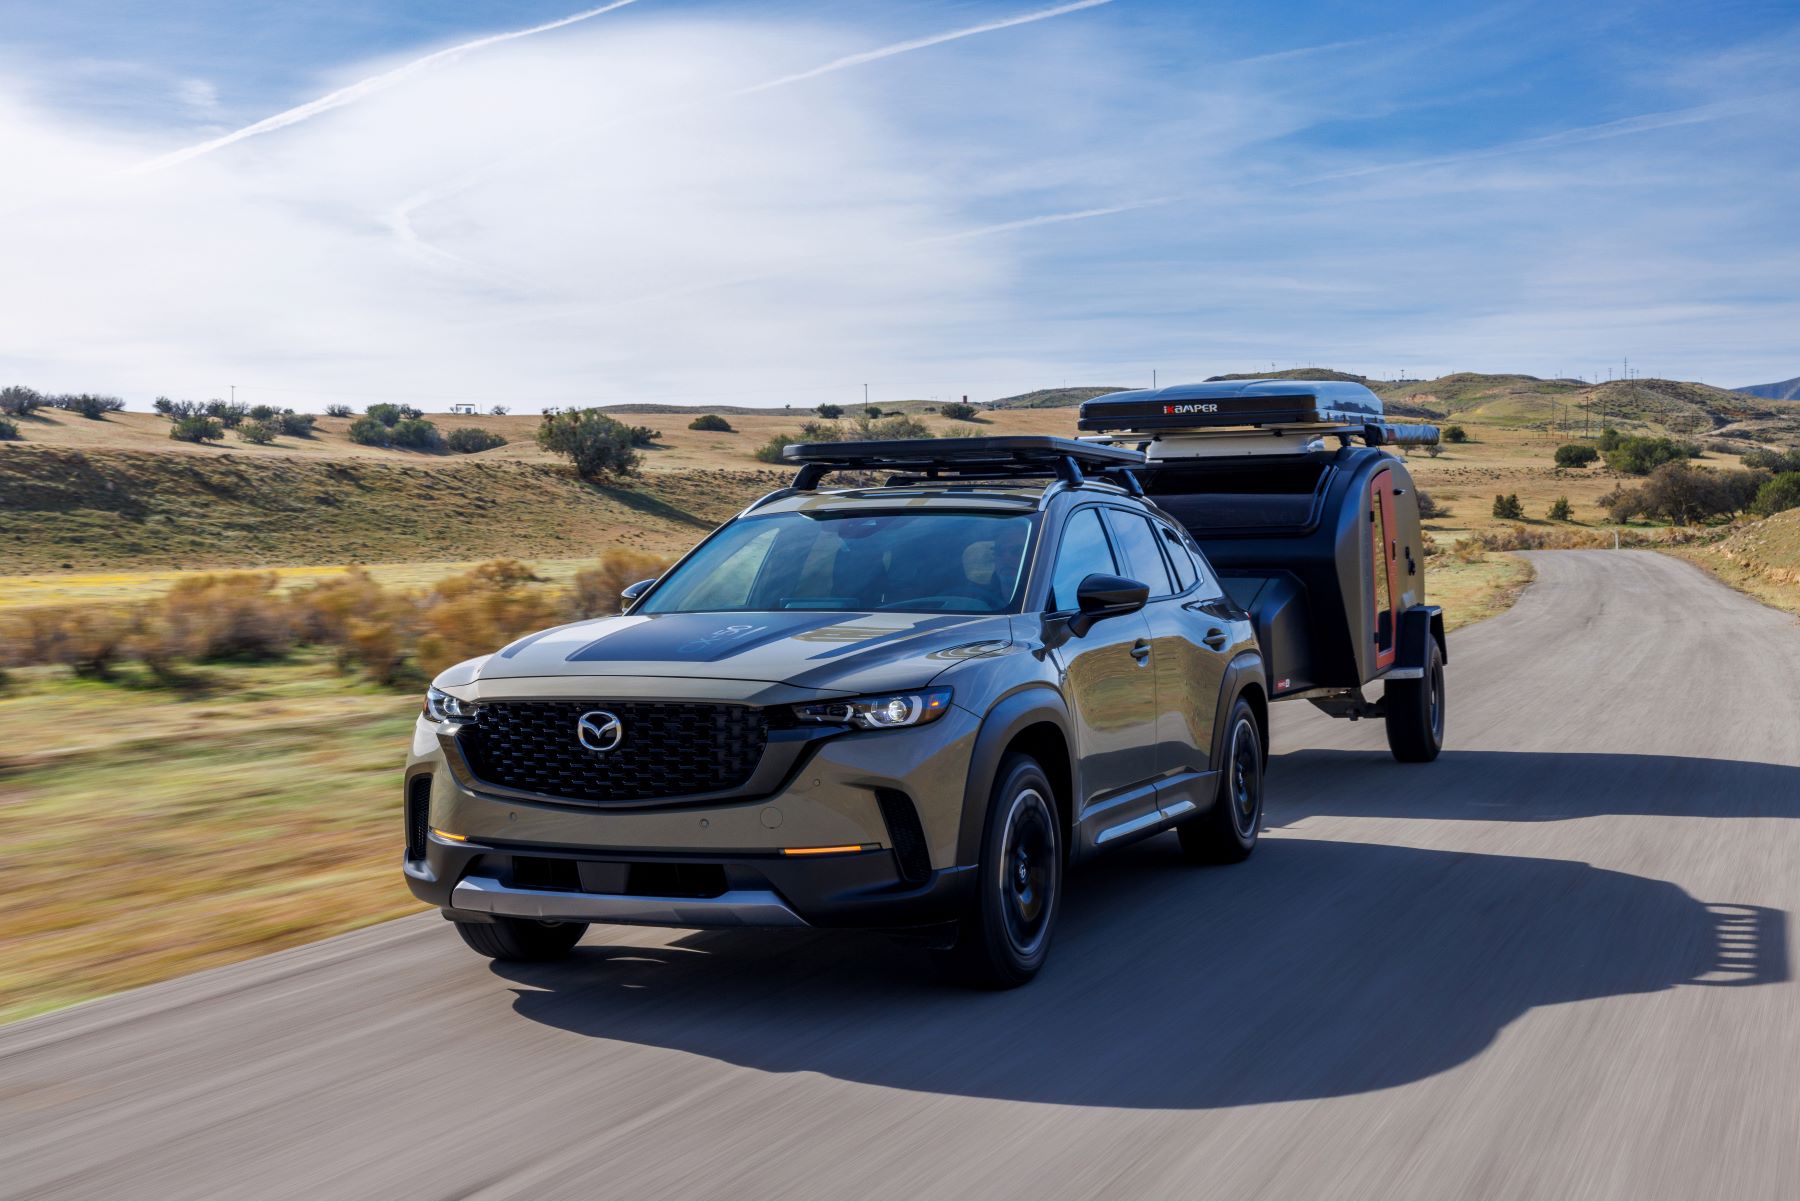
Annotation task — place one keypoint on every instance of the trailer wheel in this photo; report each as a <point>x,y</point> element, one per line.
<point>1415,711</point>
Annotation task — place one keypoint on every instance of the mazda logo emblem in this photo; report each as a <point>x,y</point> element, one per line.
<point>599,731</point>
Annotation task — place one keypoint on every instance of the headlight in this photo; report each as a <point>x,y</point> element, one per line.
<point>441,706</point>
<point>879,712</point>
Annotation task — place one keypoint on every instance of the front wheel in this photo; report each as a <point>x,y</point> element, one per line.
<point>522,940</point>
<point>1003,936</point>
<point>1415,711</point>
<point>1227,832</point>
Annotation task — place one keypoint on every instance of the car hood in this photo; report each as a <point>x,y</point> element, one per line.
<point>845,652</point>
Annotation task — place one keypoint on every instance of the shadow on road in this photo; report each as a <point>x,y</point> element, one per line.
<point>1526,786</point>
<point>1317,969</point>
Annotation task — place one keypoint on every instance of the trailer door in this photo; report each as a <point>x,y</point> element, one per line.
<point>1384,569</point>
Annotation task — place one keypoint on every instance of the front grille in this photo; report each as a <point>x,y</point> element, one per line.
<point>667,749</point>
<point>418,813</point>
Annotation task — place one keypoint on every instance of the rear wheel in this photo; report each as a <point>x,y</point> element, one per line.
<point>1415,711</point>
<point>522,940</point>
<point>1227,832</point>
<point>1004,934</point>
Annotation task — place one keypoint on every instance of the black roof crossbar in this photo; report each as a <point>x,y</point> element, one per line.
<point>962,458</point>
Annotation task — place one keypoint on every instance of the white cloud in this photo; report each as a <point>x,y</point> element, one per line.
<point>198,96</point>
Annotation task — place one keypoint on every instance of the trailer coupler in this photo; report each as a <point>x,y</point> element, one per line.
<point>1347,702</point>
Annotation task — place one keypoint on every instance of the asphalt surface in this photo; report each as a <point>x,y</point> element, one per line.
<point>1554,964</point>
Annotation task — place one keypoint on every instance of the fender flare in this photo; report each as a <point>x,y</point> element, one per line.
<point>1002,723</point>
<point>1245,668</point>
<point>1419,626</point>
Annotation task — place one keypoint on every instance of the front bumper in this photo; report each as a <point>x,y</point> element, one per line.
<point>713,864</point>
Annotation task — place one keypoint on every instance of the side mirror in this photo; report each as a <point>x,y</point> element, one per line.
<point>631,592</point>
<point>1102,596</point>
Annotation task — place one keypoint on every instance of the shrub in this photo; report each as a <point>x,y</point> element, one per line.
<point>296,425</point>
<point>90,405</point>
<point>368,431</point>
<point>175,410</point>
<point>812,431</point>
<point>340,411</point>
<point>499,411</point>
<point>870,413</point>
<point>643,435</point>
<point>468,440</point>
<point>594,442</point>
<point>228,412</point>
<point>389,414</point>
<point>9,429</point>
<point>711,421</point>
<point>830,412</point>
<point>958,410</point>
<point>1575,454</point>
<point>596,590</point>
<point>479,612</point>
<point>260,433</point>
<point>1679,494</point>
<point>366,625</point>
<point>415,433</point>
<point>1777,495</point>
<point>196,429</point>
<point>1640,455</point>
<point>1455,433</point>
<point>233,616</point>
<point>1429,507</point>
<point>1560,510</point>
<point>264,413</point>
<point>1508,508</point>
<point>86,639</point>
<point>893,428</point>
<point>20,401</point>
<point>1777,461</point>
<point>1609,439</point>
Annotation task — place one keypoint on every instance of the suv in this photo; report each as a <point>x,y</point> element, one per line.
<point>907,706</point>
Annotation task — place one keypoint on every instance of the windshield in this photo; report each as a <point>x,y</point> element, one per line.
<point>919,561</point>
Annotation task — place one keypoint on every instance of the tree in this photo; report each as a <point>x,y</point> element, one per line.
<point>830,412</point>
<point>1640,455</point>
<point>711,421</point>
<point>263,413</point>
<point>20,401</point>
<point>957,410</point>
<point>339,411</point>
<point>88,404</point>
<point>1778,495</point>
<point>197,427</point>
<point>468,440</point>
<point>1575,454</point>
<point>594,442</point>
<point>1455,433</point>
<point>228,413</point>
<point>260,433</point>
<point>1762,458</point>
<point>1508,508</point>
<point>1560,510</point>
<point>499,411</point>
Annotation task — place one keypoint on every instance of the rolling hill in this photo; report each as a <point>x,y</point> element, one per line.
<point>1787,389</point>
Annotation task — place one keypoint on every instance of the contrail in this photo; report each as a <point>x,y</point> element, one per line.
<point>366,87</point>
<point>936,39</point>
<point>985,231</point>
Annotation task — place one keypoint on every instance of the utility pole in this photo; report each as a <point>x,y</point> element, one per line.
<point>865,400</point>
<point>1153,379</point>
<point>233,393</point>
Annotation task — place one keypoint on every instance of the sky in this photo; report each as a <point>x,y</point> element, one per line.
<point>769,202</point>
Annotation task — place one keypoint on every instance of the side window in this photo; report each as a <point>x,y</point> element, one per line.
<point>1084,552</point>
<point>1209,579</point>
<point>1138,543</point>
<point>1178,557</point>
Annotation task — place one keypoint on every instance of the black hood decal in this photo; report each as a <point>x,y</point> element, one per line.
<point>701,637</point>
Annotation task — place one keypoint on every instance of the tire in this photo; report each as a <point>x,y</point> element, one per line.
<point>1003,936</point>
<point>1415,711</point>
<point>522,940</point>
<point>1227,832</point>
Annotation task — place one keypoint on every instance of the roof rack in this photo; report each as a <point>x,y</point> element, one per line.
<point>962,459</point>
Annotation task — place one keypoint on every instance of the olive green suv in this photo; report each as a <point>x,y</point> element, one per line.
<point>905,705</point>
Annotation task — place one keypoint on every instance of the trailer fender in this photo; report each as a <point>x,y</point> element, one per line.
<point>1420,626</point>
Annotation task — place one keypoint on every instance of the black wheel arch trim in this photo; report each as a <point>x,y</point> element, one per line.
<point>1245,670</point>
<point>1420,625</point>
<point>1009,717</point>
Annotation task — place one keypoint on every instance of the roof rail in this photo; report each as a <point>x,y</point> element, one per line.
<point>961,458</point>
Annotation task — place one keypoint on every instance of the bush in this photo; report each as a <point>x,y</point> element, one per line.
<point>1428,507</point>
<point>1677,493</point>
<point>1455,433</point>
<point>415,433</point>
<point>594,442</point>
<point>1508,508</point>
<point>1560,510</point>
<point>468,440</point>
<point>234,616</point>
<point>296,425</point>
<point>263,413</point>
<point>230,413</point>
<point>643,435</point>
<point>479,612</point>
<point>1610,439</point>
<point>196,429</point>
<point>87,639</point>
<point>957,410</point>
<point>176,410</point>
<point>869,413</point>
<point>340,411</point>
<point>368,431</point>
<point>391,415</point>
<point>90,405</point>
<point>1575,454</point>
<point>1777,461</point>
<point>259,433</point>
<point>897,426</point>
<point>711,421</point>
<point>499,411</point>
<point>1777,495</point>
<point>9,430</point>
<point>20,401</point>
<point>596,589</point>
<point>830,412</point>
<point>1640,455</point>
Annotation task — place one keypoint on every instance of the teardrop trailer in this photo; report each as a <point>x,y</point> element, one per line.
<point>1314,530</point>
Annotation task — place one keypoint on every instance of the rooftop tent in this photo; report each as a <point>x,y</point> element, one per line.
<point>1313,406</point>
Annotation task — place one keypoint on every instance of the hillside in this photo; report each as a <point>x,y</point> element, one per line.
<point>1761,558</point>
<point>1787,389</point>
<point>1050,398</point>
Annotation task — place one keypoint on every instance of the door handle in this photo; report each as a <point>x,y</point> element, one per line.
<point>1215,638</point>
<point>1140,651</point>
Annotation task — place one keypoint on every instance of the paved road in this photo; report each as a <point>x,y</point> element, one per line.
<point>1552,965</point>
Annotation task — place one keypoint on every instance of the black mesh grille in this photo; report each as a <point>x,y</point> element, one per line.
<point>418,812</point>
<point>667,750</point>
<point>906,834</point>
